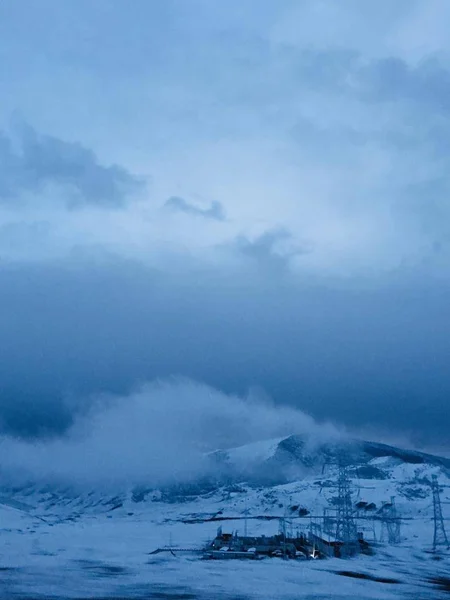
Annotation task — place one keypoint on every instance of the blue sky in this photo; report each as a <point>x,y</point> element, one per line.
<point>248,193</point>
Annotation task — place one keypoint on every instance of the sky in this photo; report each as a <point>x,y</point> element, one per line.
<point>250,197</point>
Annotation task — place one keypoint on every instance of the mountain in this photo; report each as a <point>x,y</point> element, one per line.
<point>96,542</point>
<point>264,465</point>
<point>284,460</point>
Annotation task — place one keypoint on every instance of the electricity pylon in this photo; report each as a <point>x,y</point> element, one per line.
<point>345,523</point>
<point>390,522</point>
<point>440,535</point>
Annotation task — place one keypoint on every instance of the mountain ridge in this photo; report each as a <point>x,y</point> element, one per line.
<point>293,457</point>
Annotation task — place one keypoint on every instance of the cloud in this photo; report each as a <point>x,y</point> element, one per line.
<point>356,352</point>
<point>349,72</point>
<point>215,211</point>
<point>393,79</point>
<point>158,434</point>
<point>33,163</point>
<point>317,121</point>
<point>272,249</point>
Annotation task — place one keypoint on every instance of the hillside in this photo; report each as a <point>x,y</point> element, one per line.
<point>98,540</point>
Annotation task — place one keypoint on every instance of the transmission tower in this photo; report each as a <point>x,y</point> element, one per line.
<point>345,524</point>
<point>440,535</point>
<point>390,523</point>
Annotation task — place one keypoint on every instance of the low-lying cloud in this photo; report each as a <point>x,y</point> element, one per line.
<point>356,353</point>
<point>158,434</point>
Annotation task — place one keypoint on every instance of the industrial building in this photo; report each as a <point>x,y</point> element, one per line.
<point>260,546</point>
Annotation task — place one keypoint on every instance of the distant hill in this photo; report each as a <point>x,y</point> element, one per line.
<point>292,458</point>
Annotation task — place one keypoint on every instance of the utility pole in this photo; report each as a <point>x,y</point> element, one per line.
<point>246,519</point>
<point>282,530</point>
<point>440,535</point>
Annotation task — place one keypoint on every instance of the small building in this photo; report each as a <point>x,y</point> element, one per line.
<point>327,544</point>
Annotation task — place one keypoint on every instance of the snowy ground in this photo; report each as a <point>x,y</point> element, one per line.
<point>76,548</point>
<point>101,557</point>
<point>107,556</point>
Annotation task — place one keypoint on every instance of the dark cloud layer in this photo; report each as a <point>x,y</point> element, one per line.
<point>358,356</point>
<point>31,162</point>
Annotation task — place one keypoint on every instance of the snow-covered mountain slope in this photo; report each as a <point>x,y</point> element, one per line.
<point>96,542</point>
<point>296,457</point>
<point>295,461</point>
